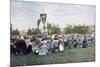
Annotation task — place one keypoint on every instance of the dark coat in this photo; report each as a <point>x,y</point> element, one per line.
<point>21,46</point>
<point>85,43</point>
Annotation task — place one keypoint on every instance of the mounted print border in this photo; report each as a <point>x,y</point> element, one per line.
<point>51,33</point>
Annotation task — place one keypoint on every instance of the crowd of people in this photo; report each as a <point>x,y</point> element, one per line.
<point>44,44</point>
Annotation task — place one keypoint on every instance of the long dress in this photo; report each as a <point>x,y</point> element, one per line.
<point>55,43</point>
<point>43,49</point>
<point>61,47</point>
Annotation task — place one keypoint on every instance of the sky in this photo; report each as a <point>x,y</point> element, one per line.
<point>24,14</point>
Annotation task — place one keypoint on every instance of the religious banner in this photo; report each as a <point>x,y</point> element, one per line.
<point>43,17</point>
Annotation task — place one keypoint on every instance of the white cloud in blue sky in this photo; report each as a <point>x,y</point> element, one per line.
<point>24,14</point>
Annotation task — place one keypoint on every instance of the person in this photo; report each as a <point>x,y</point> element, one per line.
<point>69,42</point>
<point>61,44</point>
<point>65,43</point>
<point>12,48</point>
<point>80,40</point>
<point>21,46</point>
<point>43,48</point>
<point>29,48</point>
<point>33,38</point>
<point>49,44</point>
<point>16,44</point>
<point>33,47</point>
<point>75,43</point>
<point>85,43</point>
<point>61,47</point>
<point>55,45</point>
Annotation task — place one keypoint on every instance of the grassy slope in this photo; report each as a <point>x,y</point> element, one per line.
<point>68,56</point>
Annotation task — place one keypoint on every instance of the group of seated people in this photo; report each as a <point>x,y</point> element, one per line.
<point>45,45</point>
<point>19,46</point>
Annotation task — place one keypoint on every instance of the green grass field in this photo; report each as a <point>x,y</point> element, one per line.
<point>68,56</point>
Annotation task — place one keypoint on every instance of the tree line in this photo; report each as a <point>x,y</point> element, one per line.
<point>80,29</point>
<point>54,29</point>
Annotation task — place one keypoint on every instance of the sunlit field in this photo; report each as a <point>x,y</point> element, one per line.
<point>68,56</point>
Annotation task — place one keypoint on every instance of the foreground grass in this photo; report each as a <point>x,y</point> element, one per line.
<point>68,56</point>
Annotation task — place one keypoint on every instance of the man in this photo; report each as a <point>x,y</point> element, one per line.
<point>70,42</point>
<point>85,42</point>
<point>21,46</point>
<point>65,42</point>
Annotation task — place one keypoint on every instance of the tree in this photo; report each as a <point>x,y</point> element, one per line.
<point>80,29</point>
<point>29,32</point>
<point>55,29</point>
<point>15,32</point>
<point>38,23</point>
<point>68,29</point>
<point>49,28</point>
<point>36,31</point>
<point>11,28</point>
<point>43,26</point>
<point>33,31</point>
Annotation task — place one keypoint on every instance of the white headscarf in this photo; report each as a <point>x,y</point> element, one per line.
<point>22,38</point>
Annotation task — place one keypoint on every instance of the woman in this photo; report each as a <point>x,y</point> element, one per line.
<point>61,46</point>
<point>43,48</point>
